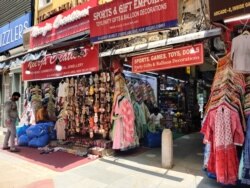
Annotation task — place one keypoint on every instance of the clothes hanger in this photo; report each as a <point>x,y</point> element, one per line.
<point>246,32</point>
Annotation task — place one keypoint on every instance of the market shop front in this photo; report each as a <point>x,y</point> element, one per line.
<point>66,77</point>
<point>151,46</point>
<point>176,98</point>
<point>229,98</point>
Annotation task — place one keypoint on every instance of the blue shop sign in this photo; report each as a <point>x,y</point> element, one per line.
<point>11,34</point>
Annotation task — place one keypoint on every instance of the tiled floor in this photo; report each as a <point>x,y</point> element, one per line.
<point>137,171</point>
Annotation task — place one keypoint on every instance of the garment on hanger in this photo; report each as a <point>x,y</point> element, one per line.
<point>223,130</point>
<point>224,122</point>
<point>240,53</point>
<point>63,89</point>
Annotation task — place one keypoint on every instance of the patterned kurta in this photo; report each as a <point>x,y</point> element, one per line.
<point>223,129</point>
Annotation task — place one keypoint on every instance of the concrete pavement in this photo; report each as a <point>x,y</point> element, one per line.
<point>135,171</point>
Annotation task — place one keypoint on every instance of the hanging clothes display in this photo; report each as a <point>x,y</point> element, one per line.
<point>244,168</point>
<point>140,120</point>
<point>124,131</point>
<point>224,122</point>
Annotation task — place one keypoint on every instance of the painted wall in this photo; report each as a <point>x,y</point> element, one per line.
<point>51,6</point>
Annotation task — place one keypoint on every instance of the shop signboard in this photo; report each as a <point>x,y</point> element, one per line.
<point>11,34</point>
<point>127,17</point>
<point>168,59</point>
<point>68,23</point>
<point>72,64</point>
<point>229,8</point>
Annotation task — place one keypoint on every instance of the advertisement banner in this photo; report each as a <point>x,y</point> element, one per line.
<point>229,8</point>
<point>11,34</point>
<point>68,23</point>
<point>127,17</point>
<point>167,59</point>
<point>72,64</point>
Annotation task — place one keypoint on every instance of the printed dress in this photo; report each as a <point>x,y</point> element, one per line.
<point>124,133</point>
<point>223,129</point>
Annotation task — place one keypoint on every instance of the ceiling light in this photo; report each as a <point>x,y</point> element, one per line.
<point>58,66</point>
<point>246,16</point>
<point>27,71</point>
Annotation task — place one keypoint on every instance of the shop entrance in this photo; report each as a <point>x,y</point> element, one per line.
<point>179,96</point>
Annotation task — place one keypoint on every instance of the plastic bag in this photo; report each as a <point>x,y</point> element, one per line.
<point>36,131</point>
<point>23,140</point>
<point>39,141</point>
<point>21,130</point>
<point>52,135</point>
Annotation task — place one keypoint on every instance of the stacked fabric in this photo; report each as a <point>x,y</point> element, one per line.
<point>247,97</point>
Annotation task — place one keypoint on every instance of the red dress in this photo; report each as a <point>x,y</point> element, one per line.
<point>223,129</point>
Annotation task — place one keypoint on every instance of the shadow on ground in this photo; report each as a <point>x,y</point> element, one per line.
<point>188,159</point>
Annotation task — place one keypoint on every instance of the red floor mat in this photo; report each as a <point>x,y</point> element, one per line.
<point>57,161</point>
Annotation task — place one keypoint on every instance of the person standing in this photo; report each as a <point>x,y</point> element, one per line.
<point>156,121</point>
<point>11,116</point>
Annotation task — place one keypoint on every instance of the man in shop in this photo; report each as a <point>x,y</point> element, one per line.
<point>10,119</point>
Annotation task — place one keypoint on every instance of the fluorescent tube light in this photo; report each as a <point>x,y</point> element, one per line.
<point>246,16</point>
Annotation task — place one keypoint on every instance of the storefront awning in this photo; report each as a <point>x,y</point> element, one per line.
<point>170,41</point>
<point>38,52</point>
<point>18,55</point>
